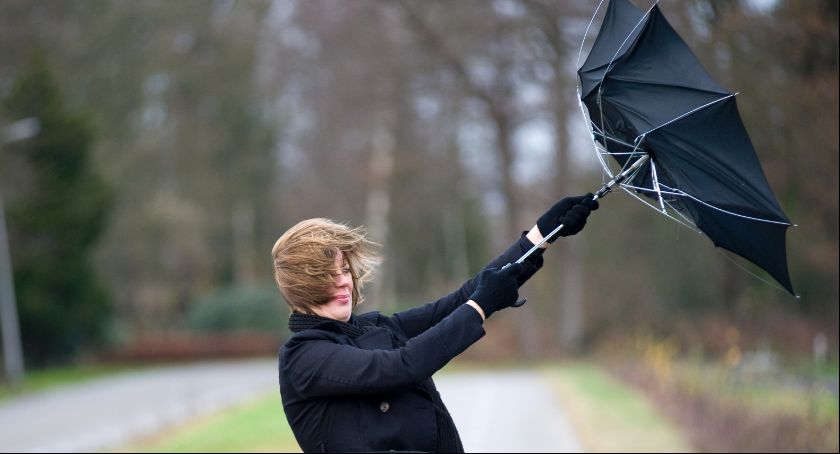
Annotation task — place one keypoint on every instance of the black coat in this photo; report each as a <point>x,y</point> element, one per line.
<point>374,392</point>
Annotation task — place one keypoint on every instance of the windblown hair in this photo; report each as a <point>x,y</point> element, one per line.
<point>304,262</point>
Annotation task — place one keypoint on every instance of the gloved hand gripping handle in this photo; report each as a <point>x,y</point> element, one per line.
<point>605,189</point>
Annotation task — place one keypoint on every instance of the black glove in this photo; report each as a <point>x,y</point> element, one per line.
<point>497,289</point>
<point>571,212</point>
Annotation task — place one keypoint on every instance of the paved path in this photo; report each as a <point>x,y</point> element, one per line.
<point>507,411</point>
<point>495,411</point>
<point>105,412</point>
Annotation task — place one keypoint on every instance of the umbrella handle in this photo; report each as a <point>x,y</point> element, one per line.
<point>605,189</point>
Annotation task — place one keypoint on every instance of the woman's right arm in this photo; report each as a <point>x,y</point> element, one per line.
<point>321,367</point>
<point>418,319</point>
<point>572,212</point>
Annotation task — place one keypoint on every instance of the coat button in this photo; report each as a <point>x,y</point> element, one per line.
<point>384,407</point>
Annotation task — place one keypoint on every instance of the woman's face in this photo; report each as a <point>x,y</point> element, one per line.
<point>341,305</point>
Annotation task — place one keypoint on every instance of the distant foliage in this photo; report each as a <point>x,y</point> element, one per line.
<point>443,127</point>
<point>54,223</point>
<point>239,309</point>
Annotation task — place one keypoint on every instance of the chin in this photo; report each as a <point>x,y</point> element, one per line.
<point>343,314</point>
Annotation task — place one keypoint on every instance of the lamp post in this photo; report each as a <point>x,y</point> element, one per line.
<point>12,349</point>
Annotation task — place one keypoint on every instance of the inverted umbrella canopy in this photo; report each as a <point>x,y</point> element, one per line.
<point>649,98</point>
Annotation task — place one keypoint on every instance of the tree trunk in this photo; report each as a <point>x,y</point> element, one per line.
<point>528,326</point>
<point>569,310</point>
<point>378,205</point>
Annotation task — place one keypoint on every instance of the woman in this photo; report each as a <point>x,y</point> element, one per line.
<point>361,383</point>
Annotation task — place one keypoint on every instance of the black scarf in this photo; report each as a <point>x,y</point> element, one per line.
<point>448,438</point>
<point>353,328</point>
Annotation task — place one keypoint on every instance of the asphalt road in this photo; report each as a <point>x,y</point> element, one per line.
<point>495,411</point>
<point>106,412</point>
<point>507,411</point>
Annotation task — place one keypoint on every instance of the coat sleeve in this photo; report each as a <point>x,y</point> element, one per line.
<point>320,367</point>
<point>418,319</point>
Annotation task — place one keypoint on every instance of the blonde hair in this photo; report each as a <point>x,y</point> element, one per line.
<point>304,262</point>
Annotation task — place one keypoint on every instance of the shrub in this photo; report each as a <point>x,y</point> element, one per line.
<point>239,309</point>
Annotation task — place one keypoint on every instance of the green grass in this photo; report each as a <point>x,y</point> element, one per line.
<point>256,426</point>
<point>610,416</point>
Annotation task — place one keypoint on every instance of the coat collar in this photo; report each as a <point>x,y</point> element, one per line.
<point>354,328</point>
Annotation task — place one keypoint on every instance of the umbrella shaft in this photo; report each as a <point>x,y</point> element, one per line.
<point>618,179</point>
<point>537,246</point>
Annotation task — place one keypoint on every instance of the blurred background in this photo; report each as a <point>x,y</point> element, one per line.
<point>152,152</point>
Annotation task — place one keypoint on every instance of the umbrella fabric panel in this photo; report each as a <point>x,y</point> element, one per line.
<point>613,122</point>
<point>762,243</point>
<point>660,57</point>
<point>647,107</point>
<point>659,80</point>
<point>710,156</point>
<point>619,26</point>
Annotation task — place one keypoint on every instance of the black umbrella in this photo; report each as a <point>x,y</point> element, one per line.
<point>678,137</point>
<point>652,106</point>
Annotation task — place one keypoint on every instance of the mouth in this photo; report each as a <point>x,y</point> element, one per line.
<point>342,299</point>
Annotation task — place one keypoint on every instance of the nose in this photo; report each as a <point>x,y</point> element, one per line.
<point>342,280</point>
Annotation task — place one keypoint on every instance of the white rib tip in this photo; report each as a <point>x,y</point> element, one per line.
<point>798,297</point>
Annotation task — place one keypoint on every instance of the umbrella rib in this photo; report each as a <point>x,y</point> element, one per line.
<point>640,188</point>
<point>624,167</point>
<point>687,114</point>
<point>687,220</point>
<point>586,118</point>
<point>586,33</point>
<point>616,153</point>
<point>656,185</point>
<point>653,83</point>
<point>680,192</point>
<point>610,153</point>
<point>601,112</point>
<point>666,214</point>
<point>612,139</point>
<point>612,60</point>
<point>604,165</point>
<point>627,162</point>
<point>597,152</point>
<point>635,172</point>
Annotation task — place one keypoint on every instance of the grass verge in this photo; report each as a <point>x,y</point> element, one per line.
<point>45,379</point>
<point>255,426</point>
<point>725,408</point>
<point>610,416</point>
